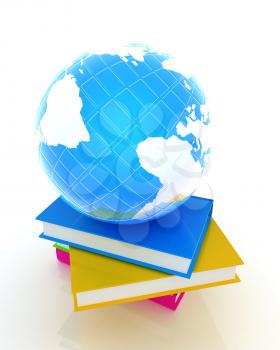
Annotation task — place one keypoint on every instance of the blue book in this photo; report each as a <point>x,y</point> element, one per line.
<point>170,243</point>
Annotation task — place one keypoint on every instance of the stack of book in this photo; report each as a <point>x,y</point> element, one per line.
<point>159,260</point>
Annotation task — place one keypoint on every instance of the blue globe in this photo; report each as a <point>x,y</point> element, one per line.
<point>121,134</point>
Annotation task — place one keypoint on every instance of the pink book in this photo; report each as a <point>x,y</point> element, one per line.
<point>169,301</point>
<point>63,256</point>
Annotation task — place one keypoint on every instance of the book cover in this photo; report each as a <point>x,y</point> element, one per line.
<point>98,280</point>
<point>62,256</point>
<point>166,244</point>
<point>170,302</point>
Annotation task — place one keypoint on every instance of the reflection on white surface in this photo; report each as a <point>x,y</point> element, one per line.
<point>70,333</point>
<point>138,325</point>
<point>142,325</point>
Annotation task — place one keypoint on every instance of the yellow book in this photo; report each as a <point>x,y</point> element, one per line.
<point>98,280</point>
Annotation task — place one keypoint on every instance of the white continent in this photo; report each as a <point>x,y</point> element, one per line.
<point>171,161</point>
<point>62,123</point>
<point>194,125</point>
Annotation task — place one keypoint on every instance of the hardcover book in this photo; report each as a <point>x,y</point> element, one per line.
<point>167,244</point>
<point>99,280</point>
<point>169,301</point>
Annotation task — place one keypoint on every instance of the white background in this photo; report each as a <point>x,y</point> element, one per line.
<point>234,47</point>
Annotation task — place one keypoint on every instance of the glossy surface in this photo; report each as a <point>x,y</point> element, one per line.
<point>120,134</point>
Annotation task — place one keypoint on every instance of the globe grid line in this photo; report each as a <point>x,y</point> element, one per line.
<point>114,190</point>
<point>163,95</point>
<point>158,101</point>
